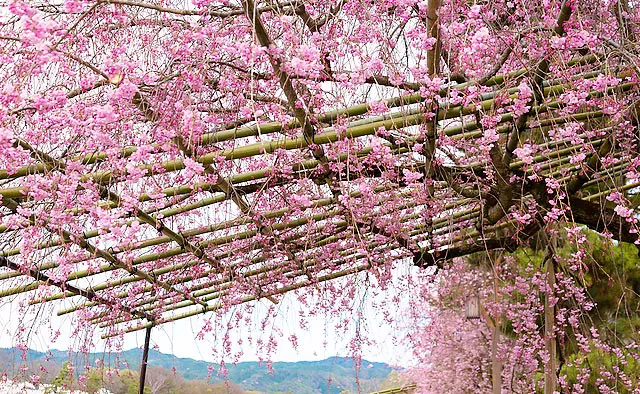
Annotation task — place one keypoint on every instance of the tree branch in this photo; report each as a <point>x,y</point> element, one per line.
<point>504,188</point>
<point>216,14</point>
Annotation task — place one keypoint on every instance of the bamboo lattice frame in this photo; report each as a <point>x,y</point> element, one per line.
<point>197,269</point>
<point>201,297</point>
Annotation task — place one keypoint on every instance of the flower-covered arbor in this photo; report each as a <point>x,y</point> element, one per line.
<point>165,159</point>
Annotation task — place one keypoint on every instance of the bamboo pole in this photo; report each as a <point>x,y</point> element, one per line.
<point>273,127</point>
<point>221,305</point>
<point>619,169</point>
<point>536,159</point>
<point>107,255</point>
<point>455,113</point>
<point>461,113</point>
<point>113,260</point>
<point>195,289</point>
<point>210,284</point>
<point>628,186</point>
<point>107,177</point>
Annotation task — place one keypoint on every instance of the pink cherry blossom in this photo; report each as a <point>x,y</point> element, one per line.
<point>160,160</point>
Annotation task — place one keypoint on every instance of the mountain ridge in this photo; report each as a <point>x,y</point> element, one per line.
<point>328,376</point>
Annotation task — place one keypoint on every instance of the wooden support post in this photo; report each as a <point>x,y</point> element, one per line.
<point>550,380</point>
<point>496,363</point>
<point>145,357</point>
<point>433,28</point>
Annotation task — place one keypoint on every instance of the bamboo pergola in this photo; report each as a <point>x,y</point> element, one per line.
<point>457,231</point>
<point>191,259</point>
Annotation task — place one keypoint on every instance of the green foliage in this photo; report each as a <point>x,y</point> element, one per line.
<point>610,273</point>
<point>62,381</point>
<point>604,366</point>
<point>94,381</point>
<point>125,382</point>
<point>133,387</point>
<point>611,278</point>
<point>394,379</point>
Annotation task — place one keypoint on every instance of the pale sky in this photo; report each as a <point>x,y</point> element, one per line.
<point>319,341</point>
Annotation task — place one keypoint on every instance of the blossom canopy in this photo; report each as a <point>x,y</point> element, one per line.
<point>164,159</point>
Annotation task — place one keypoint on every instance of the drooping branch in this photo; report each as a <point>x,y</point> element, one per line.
<point>602,219</point>
<point>496,67</point>
<point>285,81</point>
<point>67,287</point>
<point>500,160</point>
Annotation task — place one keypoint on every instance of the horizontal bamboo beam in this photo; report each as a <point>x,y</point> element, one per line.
<point>221,305</point>
<point>438,224</point>
<point>89,295</point>
<point>274,127</point>
<point>396,120</point>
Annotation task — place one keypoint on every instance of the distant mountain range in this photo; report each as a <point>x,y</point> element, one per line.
<point>330,376</point>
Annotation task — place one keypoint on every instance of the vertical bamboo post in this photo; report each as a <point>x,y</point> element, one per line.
<point>433,65</point>
<point>433,28</point>
<point>145,357</point>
